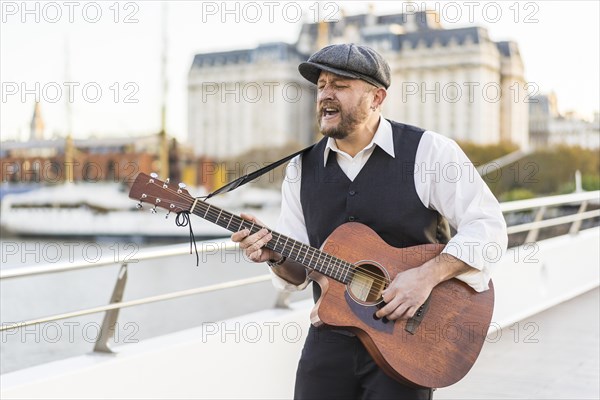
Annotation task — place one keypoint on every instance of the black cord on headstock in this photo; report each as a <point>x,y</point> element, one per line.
<point>183,219</point>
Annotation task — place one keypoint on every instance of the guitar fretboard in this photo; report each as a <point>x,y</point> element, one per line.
<point>308,256</point>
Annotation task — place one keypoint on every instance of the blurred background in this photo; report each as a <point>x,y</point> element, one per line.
<point>204,92</point>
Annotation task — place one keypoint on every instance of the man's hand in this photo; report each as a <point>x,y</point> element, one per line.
<point>410,288</point>
<point>405,294</point>
<point>253,245</point>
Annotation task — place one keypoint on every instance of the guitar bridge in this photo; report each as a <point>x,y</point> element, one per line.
<point>413,323</point>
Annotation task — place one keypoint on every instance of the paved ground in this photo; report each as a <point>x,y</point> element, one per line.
<point>551,355</point>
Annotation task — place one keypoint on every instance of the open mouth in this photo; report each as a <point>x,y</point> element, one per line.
<point>329,112</point>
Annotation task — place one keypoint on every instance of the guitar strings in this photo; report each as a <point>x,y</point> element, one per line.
<point>348,268</point>
<point>345,266</point>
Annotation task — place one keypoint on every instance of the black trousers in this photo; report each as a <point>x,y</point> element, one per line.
<point>337,366</point>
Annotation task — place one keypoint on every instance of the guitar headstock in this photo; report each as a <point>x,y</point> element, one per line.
<point>149,189</point>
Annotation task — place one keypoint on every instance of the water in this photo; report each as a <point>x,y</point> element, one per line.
<point>39,296</point>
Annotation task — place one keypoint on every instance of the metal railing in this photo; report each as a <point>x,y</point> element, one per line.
<point>542,205</point>
<point>116,303</point>
<point>539,205</point>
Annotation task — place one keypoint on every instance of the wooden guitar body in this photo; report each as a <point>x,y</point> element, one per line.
<point>447,341</point>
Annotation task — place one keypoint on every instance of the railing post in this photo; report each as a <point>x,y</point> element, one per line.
<point>533,234</point>
<point>577,224</point>
<point>109,323</point>
<point>283,299</point>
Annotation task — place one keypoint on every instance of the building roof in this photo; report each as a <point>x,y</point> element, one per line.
<point>421,19</point>
<point>508,49</point>
<point>431,37</point>
<point>274,51</point>
<point>395,29</point>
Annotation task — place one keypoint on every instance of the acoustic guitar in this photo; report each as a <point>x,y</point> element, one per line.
<point>433,349</point>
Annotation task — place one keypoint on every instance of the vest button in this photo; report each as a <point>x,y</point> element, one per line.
<point>352,193</point>
<point>351,218</point>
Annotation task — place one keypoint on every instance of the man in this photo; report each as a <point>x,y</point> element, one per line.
<point>388,176</point>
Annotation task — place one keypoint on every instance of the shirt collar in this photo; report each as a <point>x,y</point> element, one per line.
<point>382,138</point>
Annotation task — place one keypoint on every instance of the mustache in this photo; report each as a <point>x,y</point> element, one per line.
<point>329,104</point>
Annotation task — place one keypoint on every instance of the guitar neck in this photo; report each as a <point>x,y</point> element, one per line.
<point>308,256</point>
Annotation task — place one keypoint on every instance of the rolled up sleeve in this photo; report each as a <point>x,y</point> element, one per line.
<point>447,181</point>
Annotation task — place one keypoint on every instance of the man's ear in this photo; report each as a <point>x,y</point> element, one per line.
<point>379,96</point>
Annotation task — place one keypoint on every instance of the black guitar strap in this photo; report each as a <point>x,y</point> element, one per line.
<point>250,177</point>
<point>183,218</point>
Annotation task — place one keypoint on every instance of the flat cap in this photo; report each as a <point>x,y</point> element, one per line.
<point>349,60</point>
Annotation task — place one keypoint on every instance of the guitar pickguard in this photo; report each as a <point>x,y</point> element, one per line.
<point>366,313</point>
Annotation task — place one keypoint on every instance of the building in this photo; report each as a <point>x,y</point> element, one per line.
<point>90,160</point>
<point>542,110</point>
<point>247,99</point>
<point>114,159</point>
<point>457,82</point>
<point>37,125</point>
<point>52,161</point>
<point>548,127</point>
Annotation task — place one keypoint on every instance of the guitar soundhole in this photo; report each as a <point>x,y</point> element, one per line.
<point>367,282</point>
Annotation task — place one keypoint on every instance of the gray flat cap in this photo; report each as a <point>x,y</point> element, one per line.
<point>349,60</point>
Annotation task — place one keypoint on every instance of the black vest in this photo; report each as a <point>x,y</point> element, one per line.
<point>382,196</point>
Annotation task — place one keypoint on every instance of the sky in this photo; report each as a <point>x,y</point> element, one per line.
<point>100,62</point>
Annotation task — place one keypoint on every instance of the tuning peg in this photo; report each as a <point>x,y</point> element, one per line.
<point>138,205</point>
<point>154,175</point>
<point>155,204</point>
<point>181,187</point>
<point>167,216</point>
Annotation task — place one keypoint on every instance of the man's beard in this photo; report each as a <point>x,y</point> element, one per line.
<point>349,120</point>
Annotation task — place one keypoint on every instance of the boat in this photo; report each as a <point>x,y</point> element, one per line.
<point>105,210</point>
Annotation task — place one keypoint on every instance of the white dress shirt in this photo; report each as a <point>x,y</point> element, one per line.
<point>445,181</point>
